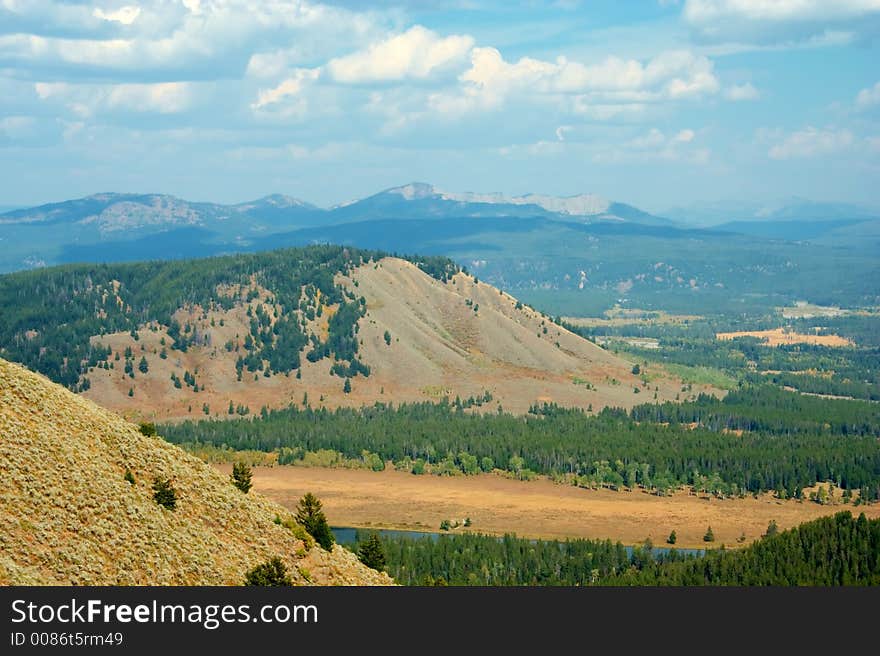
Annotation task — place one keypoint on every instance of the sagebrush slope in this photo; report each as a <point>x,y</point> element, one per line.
<point>69,517</point>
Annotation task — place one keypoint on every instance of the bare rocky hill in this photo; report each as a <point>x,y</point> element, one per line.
<point>69,517</point>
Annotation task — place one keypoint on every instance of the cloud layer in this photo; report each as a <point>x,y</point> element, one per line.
<point>190,91</point>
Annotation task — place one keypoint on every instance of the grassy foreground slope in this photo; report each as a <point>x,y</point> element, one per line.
<point>69,517</point>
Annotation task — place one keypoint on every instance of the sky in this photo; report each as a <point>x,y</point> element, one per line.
<point>657,103</point>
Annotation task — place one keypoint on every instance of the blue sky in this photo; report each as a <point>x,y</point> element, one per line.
<point>656,102</point>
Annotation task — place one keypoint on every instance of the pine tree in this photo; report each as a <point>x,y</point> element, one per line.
<point>241,476</point>
<point>143,367</point>
<point>271,573</point>
<point>672,538</point>
<point>164,493</point>
<point>710,536</point>
<point>387,338</point>
<point>347,387</point>
<point>372,554</point>
<point>312,518</point>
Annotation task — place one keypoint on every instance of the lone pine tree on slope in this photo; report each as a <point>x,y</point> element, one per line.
<point>310,514</point>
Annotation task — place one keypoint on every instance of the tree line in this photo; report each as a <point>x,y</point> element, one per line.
<point>789,441</point>
<point>831,551</point>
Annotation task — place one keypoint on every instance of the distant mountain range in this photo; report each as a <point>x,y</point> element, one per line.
<point>108,225</point>
<point>583,245</point>
<point>112,212</point>
<point>788,209</point>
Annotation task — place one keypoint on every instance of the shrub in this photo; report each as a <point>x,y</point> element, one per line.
<point>672,539</point>
<point>271,573</point>
<point>129,476</point>
<point>147,428</point>
<point>164,493</point>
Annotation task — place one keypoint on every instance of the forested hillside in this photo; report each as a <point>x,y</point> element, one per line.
<point>50,315</point>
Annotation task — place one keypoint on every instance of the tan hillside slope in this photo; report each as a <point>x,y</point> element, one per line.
<point>464,337</point>
<point>69,517</point>
<point>459,338</point>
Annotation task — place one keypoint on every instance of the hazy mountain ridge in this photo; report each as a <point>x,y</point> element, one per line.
<point>88,228</point>
<point>788,209</point>
<point>514,244</point>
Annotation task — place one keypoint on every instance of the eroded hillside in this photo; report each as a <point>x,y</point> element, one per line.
<point>405,336</point>
<point>68,516</point>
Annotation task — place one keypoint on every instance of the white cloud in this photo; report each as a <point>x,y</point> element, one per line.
<point>646,147</point>
<point>704,11</point>
<point>164,98</point>
<point>561,130</point>
<point>868,97</point>
<point>87,99</point>
<point>665,147</point>
<point>779,21</point>
<point>292,86</point>
<point>740,92</point>
<point>170,40</point>
<point>416,53</point>
<point>490,80</point>
<point>811,142</point>
<point>125,15</point>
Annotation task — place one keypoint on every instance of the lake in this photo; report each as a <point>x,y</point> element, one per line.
<point>348,535</point>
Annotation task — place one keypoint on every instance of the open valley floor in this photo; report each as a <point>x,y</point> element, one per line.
<point>538,508</point>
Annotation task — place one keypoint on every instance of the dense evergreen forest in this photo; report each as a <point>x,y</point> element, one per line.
<point>50,314</point>
<point>789,442</point>
<point>831,551</point>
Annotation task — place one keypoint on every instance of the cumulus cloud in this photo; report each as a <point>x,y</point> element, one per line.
<point>780,21</point>
<point>170,41</point>
<point>740,92</point>
<point>84,100</point>
<point>811,142</point>
<point>490,80</point>
<point>869,97</point>
<point>416,53</point>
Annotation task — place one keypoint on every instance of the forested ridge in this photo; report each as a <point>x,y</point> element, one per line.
<point>789,442</point>
<point>830,551</point>
<point>50,314</point>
